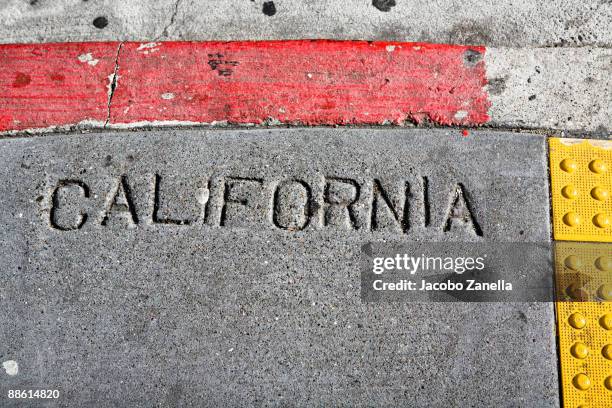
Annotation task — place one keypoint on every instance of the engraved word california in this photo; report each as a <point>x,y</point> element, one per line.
<point>292,204</point>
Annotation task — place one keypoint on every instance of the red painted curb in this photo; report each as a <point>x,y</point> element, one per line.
<point>45,85</point>
<point>303,82</point>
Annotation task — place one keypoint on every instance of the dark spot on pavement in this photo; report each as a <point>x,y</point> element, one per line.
<point>383,5</point>
<point>472,57</point>
<point>269,9</point>
<point>328,105</point>
<point>222,66</point>
<point>497,86</point>
<point>100,22</point>
<point>33,2</point>
<point>393,32</point>
<point>21,80</point>
<point>367,249</point>
<point>57,77</point>
<point>469,33</point>
<point>532,97</point>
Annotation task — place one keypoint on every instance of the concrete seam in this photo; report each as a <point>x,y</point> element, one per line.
<point>164,32</point>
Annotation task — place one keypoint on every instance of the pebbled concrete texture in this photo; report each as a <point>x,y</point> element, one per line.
<point>517,24</point>
<point>214,291</point>
<point>551,88</point>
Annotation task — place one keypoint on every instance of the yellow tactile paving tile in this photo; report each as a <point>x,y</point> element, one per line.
<point>583,274</point>
<point>581,189</point>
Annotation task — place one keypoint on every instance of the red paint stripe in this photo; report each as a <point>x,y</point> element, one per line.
<point>305,82</point>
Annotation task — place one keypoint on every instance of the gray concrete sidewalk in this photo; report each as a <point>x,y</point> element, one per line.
<point>179,267</point>
<point>567,23</point>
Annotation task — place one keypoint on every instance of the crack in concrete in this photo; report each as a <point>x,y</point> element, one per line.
<point>171,23</point>
<point>112,85</point>
<point>80,128</point>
